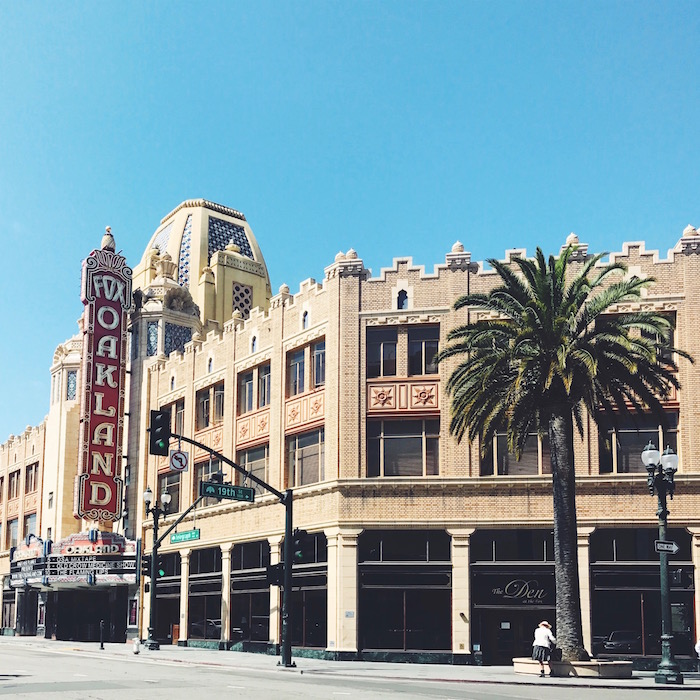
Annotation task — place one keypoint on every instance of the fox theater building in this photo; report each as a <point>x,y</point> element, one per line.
<point>419,548</point>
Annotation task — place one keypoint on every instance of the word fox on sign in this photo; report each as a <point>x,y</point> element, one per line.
<point>106,294</point>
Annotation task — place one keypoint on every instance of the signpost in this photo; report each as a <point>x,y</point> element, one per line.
<point>212,489</point>
<point>665,546</point>
<point>184,536</point>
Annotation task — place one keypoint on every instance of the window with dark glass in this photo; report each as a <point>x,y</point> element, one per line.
<point>203,472</point>
<point>245,392</point>
<point>250,592</point>
<point>620,446</point>
<point>30,525</point>
<point>170,482</point>
<point>305,458</point>
<point>381,352</point>
<point>255,460</point>
<point>263,386</point>
<point>219,402</point>
<point>13,485</point>
<point>202,401</point>
<point>13,533</point>
<point>180,417</point>
<point>204,600</point>
<point>295,373</point>
<point>318,352</point>
<point>422,349</point>
<point>403,447</point>
<point>500,461</point>
<point>31,479</point>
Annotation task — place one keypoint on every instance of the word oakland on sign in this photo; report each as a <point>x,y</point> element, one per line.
<point>106,294</point>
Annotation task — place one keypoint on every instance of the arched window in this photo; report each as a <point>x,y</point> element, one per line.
<point>210,365</point>
<point>254,344</point>
<point>305,319</point>
<point>402,300</point>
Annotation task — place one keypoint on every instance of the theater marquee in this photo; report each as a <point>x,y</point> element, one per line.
<point>106,294</point>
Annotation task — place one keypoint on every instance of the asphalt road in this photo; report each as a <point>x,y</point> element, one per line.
<point>27,672</point>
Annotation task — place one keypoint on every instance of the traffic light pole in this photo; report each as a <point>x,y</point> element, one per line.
<point>152,642</point>
<point>286,659</point>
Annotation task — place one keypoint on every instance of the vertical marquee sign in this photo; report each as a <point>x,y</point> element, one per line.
<point>106,294</point>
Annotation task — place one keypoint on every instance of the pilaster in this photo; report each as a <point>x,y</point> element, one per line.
<point>461,590</point>
<point>583,537</point>
<point>184,593</point>
<point>275,591</point>
<point>226,548</point>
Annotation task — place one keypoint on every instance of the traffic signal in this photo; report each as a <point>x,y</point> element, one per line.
<point>298,541</point>
<point>160,570</point>
<point>275,574</point>
<point>159,441</point>
<point>146,565</point>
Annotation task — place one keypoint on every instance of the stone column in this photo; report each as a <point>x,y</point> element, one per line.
<point>275,592</point>
<point>342,588</point>
<point>695,557</point>
<point>184,593</point>
<point>226,591</point>
<point>461,590</point>
<point>584,577</point>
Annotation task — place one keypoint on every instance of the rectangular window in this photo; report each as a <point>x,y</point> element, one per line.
<point>180,417</point>
<point>381,352</point>
<point>403,448</point>
<point>170,482</point>
<point>50,500</point>
<point>219,402</point>
<point>264,386</point>
<point>665,355</point>
<point>13,533</point>
<point>499,460</point>
<point>422,349</point>
<point>620,448</point>
<point>202,420</point>
<point>255,460</point>
<point>49,533</point>
<point>203,472</point>
<point>71,384</point>
<point>13,485</point>
<point>31,478</point>
<point>2,489</point>
<point>305,458</point>
<point>245,392</point>
<point>319,358</point>
<point>30,525</point>
<point>295,373</point>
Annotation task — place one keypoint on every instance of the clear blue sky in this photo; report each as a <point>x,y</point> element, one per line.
<point>394,128</point>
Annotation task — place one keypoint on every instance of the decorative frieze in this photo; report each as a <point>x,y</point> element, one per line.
<point>405,395</point>
<point>252,426</point>
<point>306,409</point>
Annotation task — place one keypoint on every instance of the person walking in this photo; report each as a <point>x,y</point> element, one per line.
<point>542,646</point>
<point>697,651</point>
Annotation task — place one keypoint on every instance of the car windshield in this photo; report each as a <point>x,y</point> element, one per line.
<point>623,636</point>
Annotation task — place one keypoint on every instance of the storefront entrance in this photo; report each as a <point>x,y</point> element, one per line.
<point>506,634</point>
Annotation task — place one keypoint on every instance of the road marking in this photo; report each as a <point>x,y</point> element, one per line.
<point>236,687</point>
<point>80,675</point>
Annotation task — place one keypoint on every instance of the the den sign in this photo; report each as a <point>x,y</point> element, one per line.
<point>106,294</point>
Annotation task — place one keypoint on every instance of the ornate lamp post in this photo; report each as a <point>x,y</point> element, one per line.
<point>158,513</point>
<point>661,469</point>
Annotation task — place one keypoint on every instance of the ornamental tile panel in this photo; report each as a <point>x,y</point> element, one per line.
<point>306,409</point>
<point>402,396</point>
<point>30,502</point>
<point>183,275</point>
<point>221,233</point>
<point>252,426</point>
<point>13,507</point>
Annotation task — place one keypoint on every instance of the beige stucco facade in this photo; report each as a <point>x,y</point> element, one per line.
<point>203,338</point>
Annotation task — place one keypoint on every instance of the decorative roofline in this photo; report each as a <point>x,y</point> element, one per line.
<point>219,208</point>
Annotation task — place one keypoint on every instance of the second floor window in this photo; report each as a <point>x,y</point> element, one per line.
<point>500,461</point>
<point>381,352</point>
<point>255,461</point>
<point>218,402</point>
<point>180,416</point>
<point>422,349</point>
<point>13,533</point>
<point>203,472</point>
<point>31,482</point>
<point>403,447</point>
<point>30,524</point>
<point>305,458</point>
<point>295,373</point>
<point>13,485</point>
<point>170,482</point>
<point>319,360</point>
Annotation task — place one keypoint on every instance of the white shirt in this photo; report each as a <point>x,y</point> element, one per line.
<point>543,637</point>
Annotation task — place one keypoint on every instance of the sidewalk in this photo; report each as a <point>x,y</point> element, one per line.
<point>261,663</point>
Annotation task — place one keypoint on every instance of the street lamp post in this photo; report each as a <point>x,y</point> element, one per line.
<point>661,469</point>
<point>157,512</point>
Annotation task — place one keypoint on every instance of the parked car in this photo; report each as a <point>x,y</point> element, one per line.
<point>623,642</point>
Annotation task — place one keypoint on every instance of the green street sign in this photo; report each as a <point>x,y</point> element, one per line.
<point>213,489</point>
<point>185,536</point>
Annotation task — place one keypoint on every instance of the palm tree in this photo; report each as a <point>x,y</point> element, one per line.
<point>550,349</point>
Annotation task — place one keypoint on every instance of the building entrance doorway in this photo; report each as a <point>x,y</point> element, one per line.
<point>506,634</point>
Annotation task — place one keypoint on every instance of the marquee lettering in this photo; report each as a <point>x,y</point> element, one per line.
<point>102,371</point>
<point>113,288</point>
<point>100,410</point>
<point>526,590</point>
<point>103,435</point>
<point>95,499</point>
<point>102,463</point>
<point>111,324</point>
<point>107,347</point>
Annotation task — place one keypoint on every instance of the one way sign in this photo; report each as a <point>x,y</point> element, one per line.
<point>662,546</point>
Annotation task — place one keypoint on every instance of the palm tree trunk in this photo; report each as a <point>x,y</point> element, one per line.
<point>568,616</point>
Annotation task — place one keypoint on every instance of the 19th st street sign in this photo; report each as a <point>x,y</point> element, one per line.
<point>212,489</point>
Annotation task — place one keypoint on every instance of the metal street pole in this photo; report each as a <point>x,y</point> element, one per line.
<point>661,470</point>
<point>286,659</point>
<point>151,642</point>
